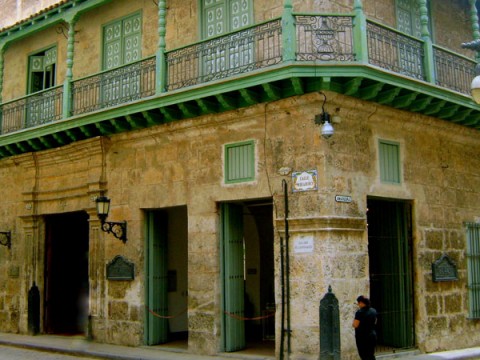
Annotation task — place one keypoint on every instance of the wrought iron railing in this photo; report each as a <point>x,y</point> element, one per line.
<point>324,38</point>
<point>114,87</point>
<point>251,48</point>
<point>395,51</point>
<point>453,71</point>
<point>319,38</point>
<point>36,109</point>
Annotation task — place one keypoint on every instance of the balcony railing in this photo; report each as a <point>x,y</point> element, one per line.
<point>320,39</point>
<point>324,38</point>
<point>249,49</point>
<point>114,87</point>
<point>36,109</point>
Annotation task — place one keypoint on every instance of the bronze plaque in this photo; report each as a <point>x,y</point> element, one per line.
<point>120,269</point>
<point>444,269</point>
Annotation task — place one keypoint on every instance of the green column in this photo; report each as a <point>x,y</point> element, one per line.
<point>360,33</point>
<point>2,48</point>
<point>428,62</point>
<point>67,86</point>
<point>288,32</point>
<point>475,26</point>
<point>161,64</point>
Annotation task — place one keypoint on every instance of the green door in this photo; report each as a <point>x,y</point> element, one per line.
<point>156,327</point>
<point>232,257</point>
<point>220,17</point>
<point>389,234</point>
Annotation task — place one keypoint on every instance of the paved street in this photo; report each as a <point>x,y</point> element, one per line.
<point>15,353</point>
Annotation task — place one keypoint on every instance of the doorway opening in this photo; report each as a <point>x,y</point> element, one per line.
<point>66,274</point>
<point>391,272</point>
<point>247,266</point>
<point>167,277</point>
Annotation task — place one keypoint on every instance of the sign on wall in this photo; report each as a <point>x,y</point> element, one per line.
<point>305,180</point>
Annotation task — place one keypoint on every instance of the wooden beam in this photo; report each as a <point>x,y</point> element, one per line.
<point>273,92</point>
<point>188,110</point>
<point>386,97</point>
<point>249,97</point>
<point>434,108</point>
<point>170,114</point>
<point>404,101</point>
<point>420,104</point>
<point>153,117</point>
<point>370,92</point>
<point>226,102</point>
<point>351,87</point>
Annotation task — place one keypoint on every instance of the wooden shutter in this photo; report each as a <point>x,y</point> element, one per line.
<point>157,278</point>
<point>240,162</point>
<point>233,277</point>
<point>389,161</point>
<point>473,268</point>
<point>112,43</point>
<point>122,42</point>
<point>214,18</point>
<point>240,14</point>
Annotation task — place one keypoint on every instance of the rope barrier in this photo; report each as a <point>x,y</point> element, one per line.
<point>270,314</point>
<point>165,316</point>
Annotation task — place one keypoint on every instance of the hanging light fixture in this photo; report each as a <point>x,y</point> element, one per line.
<point>118,229</point>
<point>324,119</point>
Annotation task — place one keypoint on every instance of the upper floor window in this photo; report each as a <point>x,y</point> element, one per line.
<point>408,18</point>
<point>389,162</point>
<point>42,70</point>
<point>240,162</point>
<point>122,41</point>
<point>223,16</point>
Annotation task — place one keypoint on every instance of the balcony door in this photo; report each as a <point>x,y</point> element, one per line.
<point>408,22</point>
<point>222,58</point>
<point>43,107</point>
<point>122,45</point>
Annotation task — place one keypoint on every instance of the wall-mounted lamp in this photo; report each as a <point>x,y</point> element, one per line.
<point>6,238</point>
<point>118,229</point>
<point>475,86</point>
<point>324,120</point>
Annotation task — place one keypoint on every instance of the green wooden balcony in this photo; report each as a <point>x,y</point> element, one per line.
<point>265,62</point>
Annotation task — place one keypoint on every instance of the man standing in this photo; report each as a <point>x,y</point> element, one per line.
<point>364,324</point>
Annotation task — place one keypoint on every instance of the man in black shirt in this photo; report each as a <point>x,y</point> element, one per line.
<point>364,324</point>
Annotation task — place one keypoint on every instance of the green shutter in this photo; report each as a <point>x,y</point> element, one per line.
<point>157,279</point>
<point>233,277</point>
<point>408,17</point>
<point>122,42</point>
<point>473,268</point>
<point>240,14</point>
<point>389,162</point>
<point>240,162</point>
<point>214,18</point>
<point>112,45</point>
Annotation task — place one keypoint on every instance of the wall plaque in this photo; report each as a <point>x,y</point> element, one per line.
<point>305,180</point>
<point>444,269</point>
<point>120,269</point>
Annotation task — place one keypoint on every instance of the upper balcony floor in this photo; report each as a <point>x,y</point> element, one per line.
<point>84,68</point>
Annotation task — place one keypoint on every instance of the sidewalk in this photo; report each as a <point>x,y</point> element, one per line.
<point>81,347</point>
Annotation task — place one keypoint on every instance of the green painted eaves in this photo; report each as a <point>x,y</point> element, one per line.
<point>277,82</point>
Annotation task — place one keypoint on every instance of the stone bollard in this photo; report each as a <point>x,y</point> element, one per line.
<point>329,327</point>
<point>34,310</point>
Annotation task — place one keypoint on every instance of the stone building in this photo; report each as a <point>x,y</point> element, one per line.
<point>208,125</point>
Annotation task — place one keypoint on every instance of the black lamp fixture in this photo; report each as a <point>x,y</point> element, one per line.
<point>118,229</point>
<point>475,86</point>
<point>6,238</point>
<point>324,120</point>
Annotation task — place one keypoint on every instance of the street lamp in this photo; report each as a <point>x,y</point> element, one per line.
<point>118,229</point>
<point>475,86</point>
